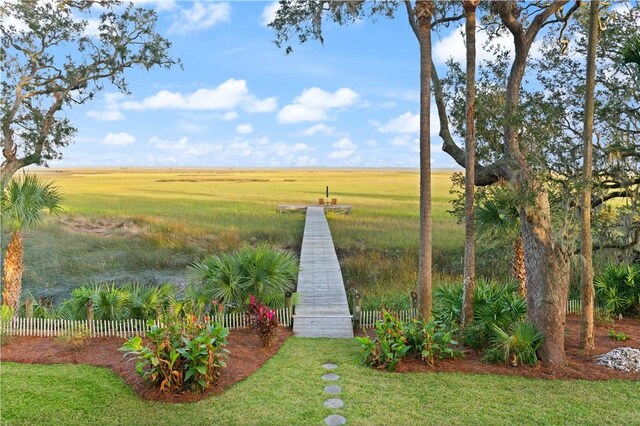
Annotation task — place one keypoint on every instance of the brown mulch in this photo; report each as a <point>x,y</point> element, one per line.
<point>579,365</point>
<point>246,357</point>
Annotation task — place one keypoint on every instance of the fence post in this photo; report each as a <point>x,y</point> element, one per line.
<point>288,309</point>
<point>89,310</point>
<point>28,307</point>
<point>357,309</point>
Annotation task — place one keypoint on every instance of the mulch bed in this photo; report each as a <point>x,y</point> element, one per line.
<point>246,357</point>
<point>579,365</point>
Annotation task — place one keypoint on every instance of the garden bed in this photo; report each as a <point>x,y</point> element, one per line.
<point>247,356</point>
<point>579,365</point>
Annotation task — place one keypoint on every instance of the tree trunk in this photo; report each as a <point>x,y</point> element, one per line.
<point>518,269</point>
<point>12,274</point>
<point>424,13</point>
<point>587,291</point>
<point>8,169</point>
<point>470,149</point>
<point>547,268</point>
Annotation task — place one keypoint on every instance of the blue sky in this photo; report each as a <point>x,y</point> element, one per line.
<point>240,101</point>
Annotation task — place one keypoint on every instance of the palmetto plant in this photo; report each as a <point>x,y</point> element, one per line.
<point>631,52</point>
<point>21,205</point>
<point>499,217</point>
<point>231,277</point>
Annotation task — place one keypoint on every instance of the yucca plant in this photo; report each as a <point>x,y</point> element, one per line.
<point>231,277</point>
<point>21,205</point>
<point>517,346</point>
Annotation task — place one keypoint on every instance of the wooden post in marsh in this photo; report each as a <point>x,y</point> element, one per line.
<point>89,310</point>
<point>357,309</point>
<point>28,307</point>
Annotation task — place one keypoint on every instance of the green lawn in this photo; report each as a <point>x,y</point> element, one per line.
<point>288,391</point>
<point>176,216</point>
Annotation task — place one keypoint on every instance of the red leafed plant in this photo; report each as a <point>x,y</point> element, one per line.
<point>264,321</point>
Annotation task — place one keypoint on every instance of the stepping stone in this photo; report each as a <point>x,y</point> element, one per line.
<point>335,420</point>
<point>330,377</point>
<point>333,403</point>
<point>329,366</point>
<point>333,389</point>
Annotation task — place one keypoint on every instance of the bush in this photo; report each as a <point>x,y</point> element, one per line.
<point>618,289</point>
<point>517,346</point>
<point>264,322</point>
<point>232,277</point>
<point>186,351</point>
<point>390,344</point>
<point>76,338</point>
<point>111,302</point>
<point>6,316</point>
<point>431,341</point>
<point>394,340</point>
<point>494,304</point>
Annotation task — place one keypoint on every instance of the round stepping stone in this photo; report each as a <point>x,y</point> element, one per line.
<point>335,420</point>
<point>333,403</point>
<point>330,377</point>
<point>329,366</point>
<point>333,389</point>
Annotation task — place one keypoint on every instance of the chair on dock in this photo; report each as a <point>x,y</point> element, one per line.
<point>321,201</point>
<point>334,201</point>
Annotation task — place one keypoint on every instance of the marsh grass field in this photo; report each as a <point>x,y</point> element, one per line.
<point>148,225</point>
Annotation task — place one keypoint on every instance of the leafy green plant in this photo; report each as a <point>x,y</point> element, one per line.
<point>264,322</point>
<point>518,345</point>
<point>618,289</point>
<point>618,335</point>
<point>186,351</point>
<point>431,340</point>
<point>390,344</point>
<point>495,304</point>
<point>6,316</point>
<point>232,277</point>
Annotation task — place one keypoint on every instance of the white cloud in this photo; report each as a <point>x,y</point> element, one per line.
<point>314,103</point>
<point>319,129</point>
<point>201,16</point>
<point>344,143</point>
<point>269,13</point>
<point>181,150</point>
<point>261,105</point>
<point>122,138</point>
<point>244,129</point>
<point>111,110</point>
<point>227,96</point>
<point>229,116</point>
<point>158,5</point>
<point>404,123</point>
<point>453,46</point>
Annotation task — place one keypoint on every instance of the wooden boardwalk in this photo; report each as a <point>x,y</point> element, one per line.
<point>322,309</point>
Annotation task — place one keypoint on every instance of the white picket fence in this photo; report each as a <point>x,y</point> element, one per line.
<point>46,327</point>
<point>368,319</point>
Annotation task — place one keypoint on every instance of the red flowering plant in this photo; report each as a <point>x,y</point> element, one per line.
<point>264,321</point>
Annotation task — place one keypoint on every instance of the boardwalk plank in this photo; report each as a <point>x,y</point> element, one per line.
<point>322,310</point>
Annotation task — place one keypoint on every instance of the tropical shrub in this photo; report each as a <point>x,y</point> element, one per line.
<point>390,344</point>
<point>232,277</point>
<point>517,346</point>
<point>430,341</point>
<point>186,351</point>
<point>264,322</point>
<point>494,304</point>
<point>618,289</point>
<point>394,340</point>
<point>111,302</point>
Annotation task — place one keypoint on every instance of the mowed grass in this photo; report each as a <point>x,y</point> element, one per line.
<point>288,390</point>
<point>164,219</point>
